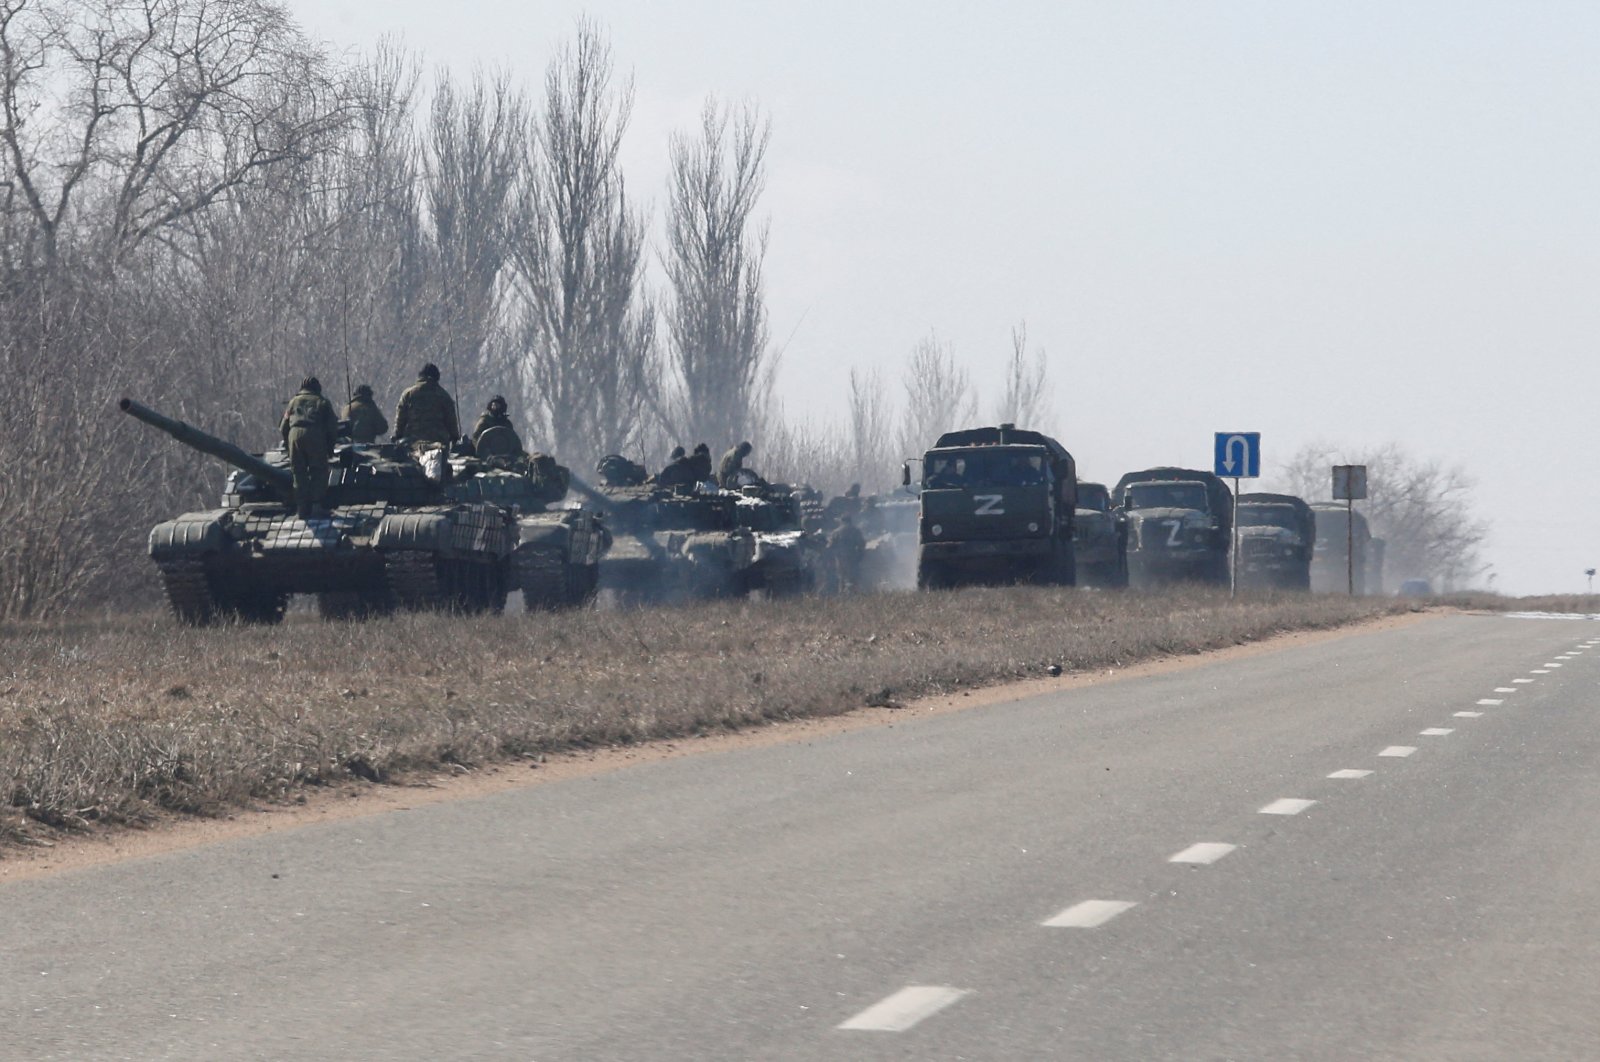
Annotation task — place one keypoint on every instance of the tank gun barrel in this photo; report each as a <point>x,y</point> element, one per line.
<point>221,449</point>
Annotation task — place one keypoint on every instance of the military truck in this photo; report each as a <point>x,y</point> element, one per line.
<point>556,560</point>
<point>1179,526</point>
<point>391,538</point>
<point>997,507</point>
<point>1276,535</point>
<point>1099,538</point>
<point>673,543</point>
<point>1338,537</point>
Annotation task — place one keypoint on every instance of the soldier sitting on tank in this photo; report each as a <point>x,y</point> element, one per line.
<point>550,478</point>
<point>679,471</point>
<point>493,435</point>
<point>366,422</point>
<point>427,413</point>
<point>309,430</point>
<point>617,471</point>
<point>700,463</point>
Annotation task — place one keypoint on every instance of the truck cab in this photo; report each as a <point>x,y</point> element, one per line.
<point>1179,525</point>
<point>997,506</point>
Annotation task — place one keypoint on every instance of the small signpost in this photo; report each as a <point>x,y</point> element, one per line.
<point>1238,456</point>
<point>1350,486</point>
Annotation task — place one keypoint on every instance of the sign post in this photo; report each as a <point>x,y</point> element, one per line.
<point>1350,486</point>
<point>1238,456</point>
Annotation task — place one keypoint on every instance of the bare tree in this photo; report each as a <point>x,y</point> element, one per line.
<point>939,396</point>
<point>586,325</point>
<point>140,114</point>
<point>1026,401</point>
<point>716,314</point>
<point>872,456</point>
<point>1421,508</point>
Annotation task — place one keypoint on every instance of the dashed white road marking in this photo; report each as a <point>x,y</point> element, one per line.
<point>1089,914</point>
<point>904,1009</point>
<point>1204,852</point>
<point>1468,715</point>
<point>1349,772</point>
<point>1436,731</point>
<point>1505,689</point>
<point>1538,671</point>
<point>1491,702</point>
<point>1287,806</point>
<point>1551,663</point>
<point>1398,750</point>
<point>1525,682</point>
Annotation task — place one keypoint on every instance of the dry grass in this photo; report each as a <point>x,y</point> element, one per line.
<point>113,720</point>
<point>1574,604</point>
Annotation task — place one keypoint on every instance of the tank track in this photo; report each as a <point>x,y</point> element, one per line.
<point>413,578</point>
<point>419,581</point>
<point>548,582</point>
<point>188,588</point>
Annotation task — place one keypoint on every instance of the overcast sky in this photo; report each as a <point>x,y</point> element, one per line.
<point>1350,223</point>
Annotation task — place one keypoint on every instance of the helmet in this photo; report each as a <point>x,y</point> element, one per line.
<point>429,371</point>
<point>676,454</point>
<point>363,391</point>
<point>312,384</point>
<point>497,404</point>
<point>745,448</point>
<point>701,448</point>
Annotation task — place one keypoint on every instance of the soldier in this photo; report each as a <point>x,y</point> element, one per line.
<point>549,475</point>
<point>700,463</point>
<point>365,419</point>
<point>495,417</point>
<point>732,465</point>
<point>427,413</point>
<point>847,545</point>
<point>679,472</point>
<point>309,430</point>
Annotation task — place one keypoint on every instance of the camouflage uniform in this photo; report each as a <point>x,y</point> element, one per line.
<point>427,413</point>
<point>491,420</point>
<point>366,420</point>
<point>309,431</point>
<point>847,546</point>
<point>700,464</point>
<point>680,473</point>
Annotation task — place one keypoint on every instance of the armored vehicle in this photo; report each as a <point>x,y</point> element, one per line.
<point>997,506</point>
<point>392,538</point>
<point>1339,539</point>
<point>669,544</point>
<point>787,556</point>
<point>1099,538</point>
<point>1276,536</point>
<point>1179,526</point>
<point>556,559</point>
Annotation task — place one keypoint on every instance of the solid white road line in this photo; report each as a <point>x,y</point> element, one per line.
<point>1349,772</point>
<point>1435,731</point>
<point>1287,806</point>
<point>1204,852</point>
<point>1398,750</point>
<point>904,1009</point>
<point>1491,702</point>
<point>1089,914</point>
<point>1468,715</point>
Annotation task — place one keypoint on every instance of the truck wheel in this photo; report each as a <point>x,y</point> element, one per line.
<point>931,576</point>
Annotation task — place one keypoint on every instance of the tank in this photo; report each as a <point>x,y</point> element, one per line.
<point>555,563</point>
<point>672,544</point>
<point>788,557</point>
<point>392,538</point>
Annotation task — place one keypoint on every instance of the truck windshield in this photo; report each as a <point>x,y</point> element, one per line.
<point>1268,516</point>
<point>1093,496</point>
<point>980,468</point>
<point>1169,496</point>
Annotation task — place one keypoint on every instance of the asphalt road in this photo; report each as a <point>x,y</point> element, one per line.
<point>884,894</point>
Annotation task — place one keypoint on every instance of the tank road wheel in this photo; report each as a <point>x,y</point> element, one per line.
<point>415,581</point>
<point>259,606</point>
<point>543,579</point>
<point>188,587</point>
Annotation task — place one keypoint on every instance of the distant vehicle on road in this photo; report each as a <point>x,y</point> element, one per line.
<point>997,506</point>
<point>1416,588</point>
<point>1337,538</point>
<point>1277,533</point>
<point>1179,526</point>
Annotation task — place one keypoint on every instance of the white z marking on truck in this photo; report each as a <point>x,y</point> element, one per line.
<point>988,505</point>
<point>1172,539</point>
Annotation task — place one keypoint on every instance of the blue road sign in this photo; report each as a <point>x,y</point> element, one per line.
<point>1239,454</point>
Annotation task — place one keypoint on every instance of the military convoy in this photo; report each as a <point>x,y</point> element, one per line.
<point>436,528</point>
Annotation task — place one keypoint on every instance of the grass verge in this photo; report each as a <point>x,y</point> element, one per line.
<point>113,721</point>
